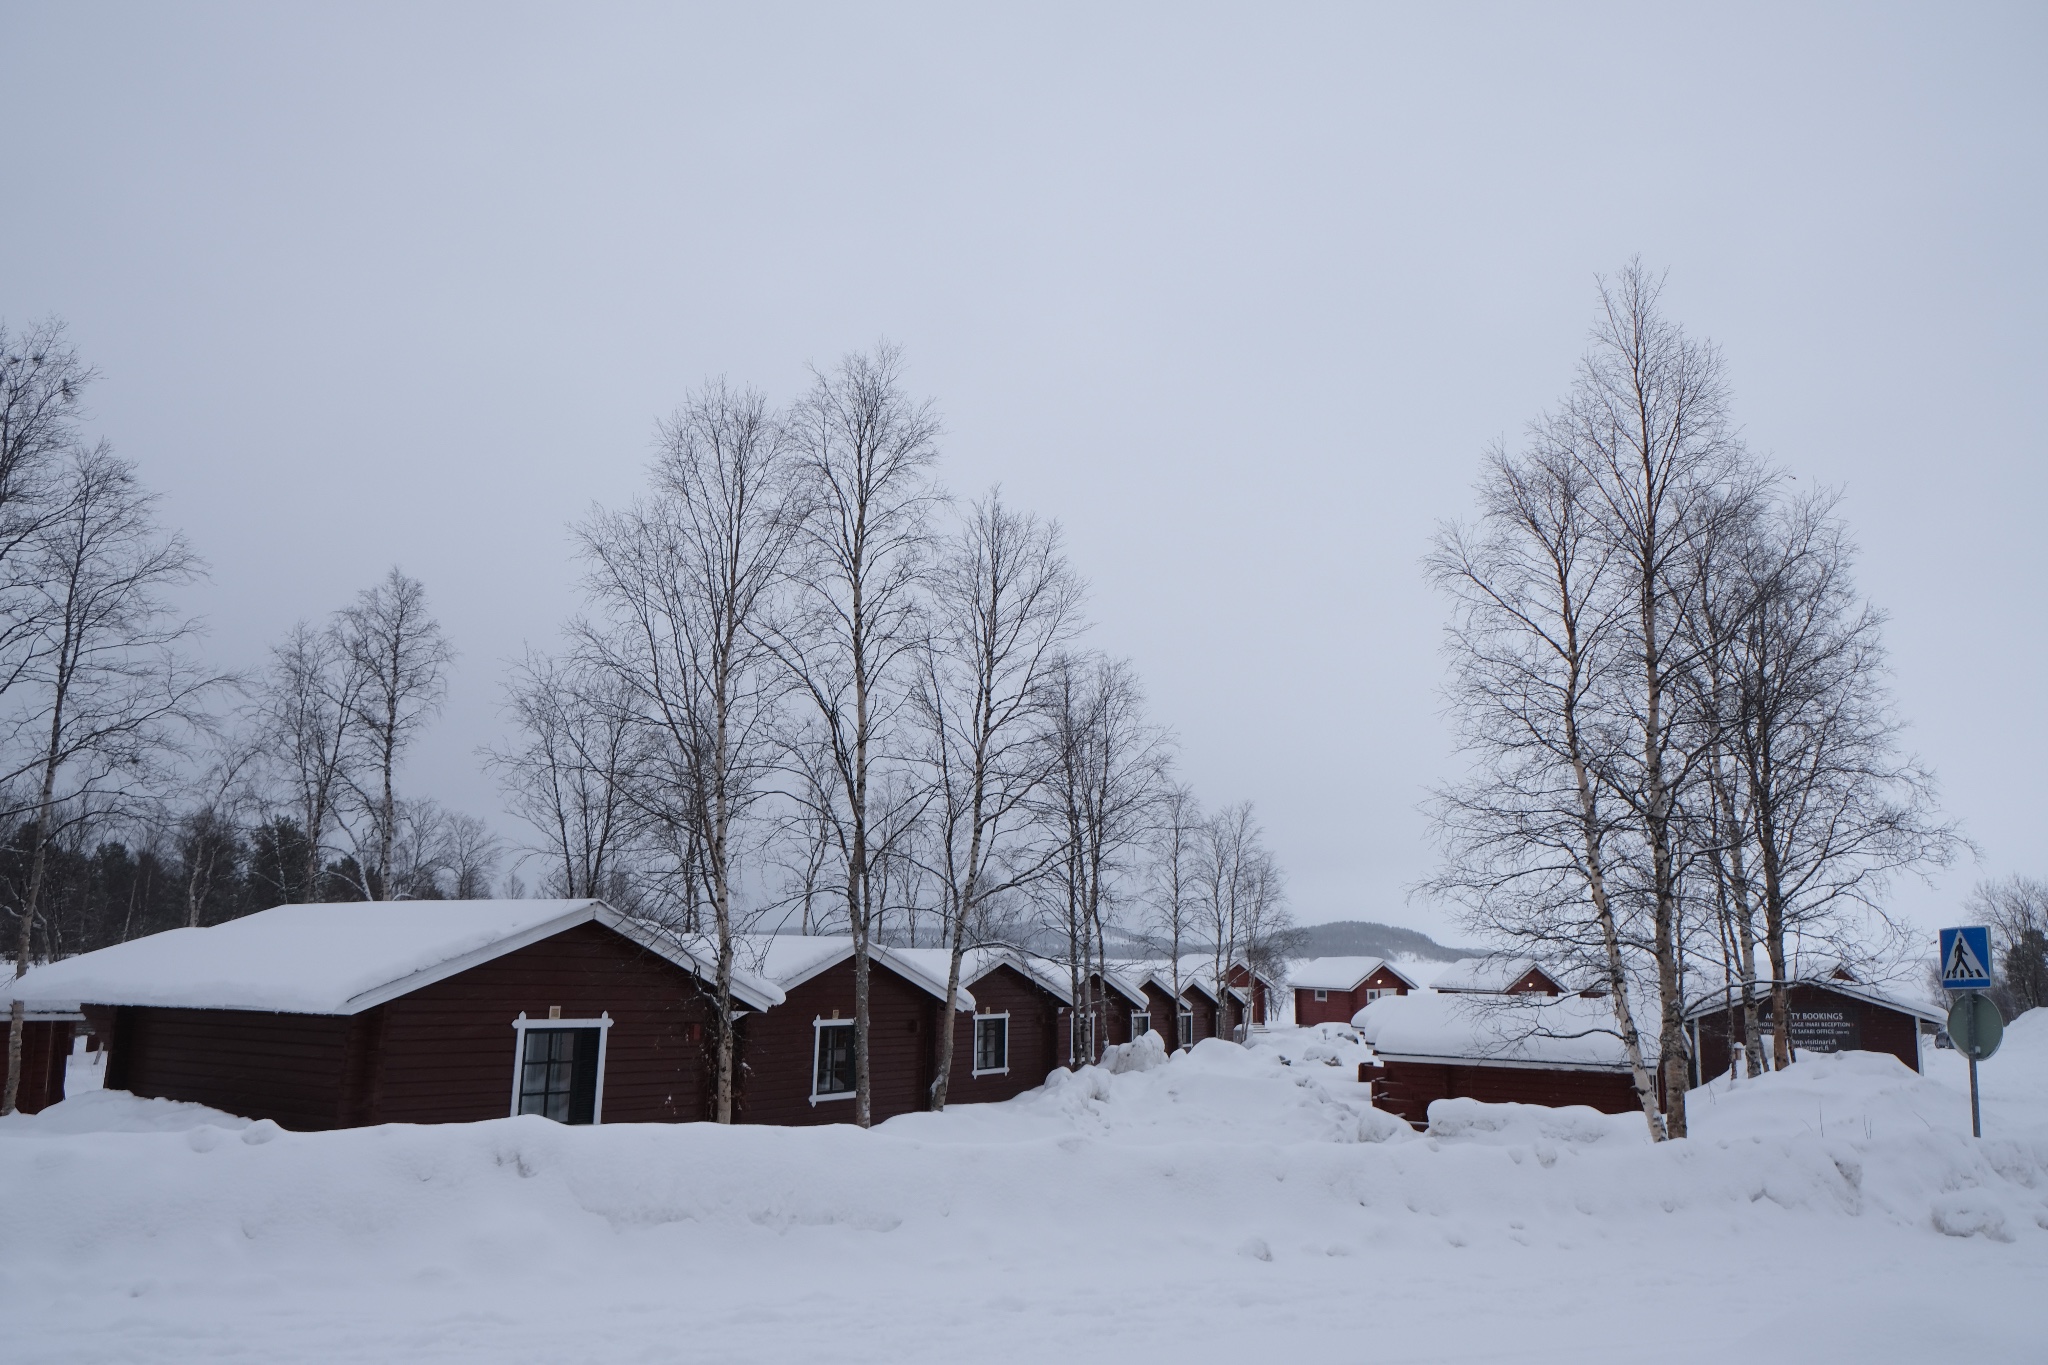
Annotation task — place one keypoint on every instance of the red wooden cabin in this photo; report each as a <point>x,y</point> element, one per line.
<point>333,1016</point>
<point>1527,1049</point>
<point>1329,990</point>
<point>799,1054</point>
<point>1499,976</point>
<point>1830,1012</point>
<point>1015,1037</point>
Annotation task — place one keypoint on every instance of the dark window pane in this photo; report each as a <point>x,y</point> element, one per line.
<point>835,1059</point>
<point>991,1044</point>
<point>558,1074</point>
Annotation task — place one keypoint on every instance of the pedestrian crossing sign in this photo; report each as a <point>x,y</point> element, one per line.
<point>1966,958</point>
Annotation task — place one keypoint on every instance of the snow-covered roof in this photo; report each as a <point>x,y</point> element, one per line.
<point>1197,972</point>
<point>1570,1032</point>
<point>336,958</point>
<point>1117,980</point>
<point>1824,974</point>
<point>1044,973</point>
<point>789,960</point>
<point>1340,973</point>
<point>1490,975</point>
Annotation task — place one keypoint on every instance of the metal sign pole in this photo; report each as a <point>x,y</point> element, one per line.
<point>1976,1124</point>
<point>1974,1023</point>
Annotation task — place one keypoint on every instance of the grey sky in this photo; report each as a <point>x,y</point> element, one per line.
<point>1239,295</point>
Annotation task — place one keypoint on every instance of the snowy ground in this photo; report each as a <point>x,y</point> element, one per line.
<point>1225,1206</point>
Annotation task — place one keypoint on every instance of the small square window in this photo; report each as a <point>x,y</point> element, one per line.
<point>1141,1023</point>
<point>1322,995</point>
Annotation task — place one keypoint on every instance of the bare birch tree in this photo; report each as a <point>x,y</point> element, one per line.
<point>42,389</point>
<point>1662,472</point>
<point>209,832</point>
<point>307,710</point>
<point>107,694</point>
<point>1004,604</point>
<point>1833,809</point>
<point>1105,768</point>
<point>1176,848</point>
<point>864,451</point>
<point>401,657</point>
<point>570,775</point>
<point>1528,836</point>
<point>682,583</point>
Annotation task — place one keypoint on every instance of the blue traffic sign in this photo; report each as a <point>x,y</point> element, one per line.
<point>1966,958</point>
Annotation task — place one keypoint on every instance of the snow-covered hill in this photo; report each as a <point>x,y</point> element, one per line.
<point>1221,1206</point>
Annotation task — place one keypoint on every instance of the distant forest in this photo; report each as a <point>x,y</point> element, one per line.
<point>1370,938</point>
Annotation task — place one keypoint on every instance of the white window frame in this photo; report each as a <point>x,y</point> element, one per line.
<point>974,1058</point>
<point>818,1027</point>
<point>1184,1023</point>
<point>1136,1015</point>
<point>1322,996</point>
<point>603,1025</point>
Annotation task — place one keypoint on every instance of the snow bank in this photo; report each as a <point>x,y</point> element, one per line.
<point>1230,1200</point>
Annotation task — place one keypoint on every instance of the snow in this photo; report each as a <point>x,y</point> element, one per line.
<point>789,960</point>
<point>1050,976</point>
<point>1492,975</point>
<point>327,959</point>
<point>1337,973</point>
<point>1219,1204</point>
<point>1526,1029</point>
<point>1822,973</point>
<point>1196,970</point>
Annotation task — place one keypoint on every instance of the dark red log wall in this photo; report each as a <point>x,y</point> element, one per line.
<point>779,1049</point>
<point>45,1046</point>
<point>1877,1029</point>
<point>1035,1035</point>
<point>443,1054</point>
<point>1406,1088</point>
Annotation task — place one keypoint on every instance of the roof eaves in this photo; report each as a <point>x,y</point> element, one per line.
<point>916,976</point>
<point>750,990</point>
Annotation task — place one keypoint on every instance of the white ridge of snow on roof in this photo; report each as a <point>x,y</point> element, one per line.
<point>789,960</point>
<point>1048,975</point>
<point>1197,971</point>
<point>1487,974</point>
<point>1816,971</point>
<point>1340,973</point>
<point>1571,1032</point>
<point>334,958</point>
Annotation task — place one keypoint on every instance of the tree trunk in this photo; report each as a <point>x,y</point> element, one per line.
<point>1610,941</point>
<point>1663,872</point>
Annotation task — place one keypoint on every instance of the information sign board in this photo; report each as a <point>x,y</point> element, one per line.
<point>1822,1029</point>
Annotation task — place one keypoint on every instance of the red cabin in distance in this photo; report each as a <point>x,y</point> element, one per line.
<point>1525,1048</point>
<point>1329,990</point>
<point>1499,976</point>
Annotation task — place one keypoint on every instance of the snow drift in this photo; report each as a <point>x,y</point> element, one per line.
<point>1215,1203</point>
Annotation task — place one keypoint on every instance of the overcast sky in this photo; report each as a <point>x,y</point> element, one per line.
<point>1239,295</point>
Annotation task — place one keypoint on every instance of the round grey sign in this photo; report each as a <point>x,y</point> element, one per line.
<point>1974,1026</point>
